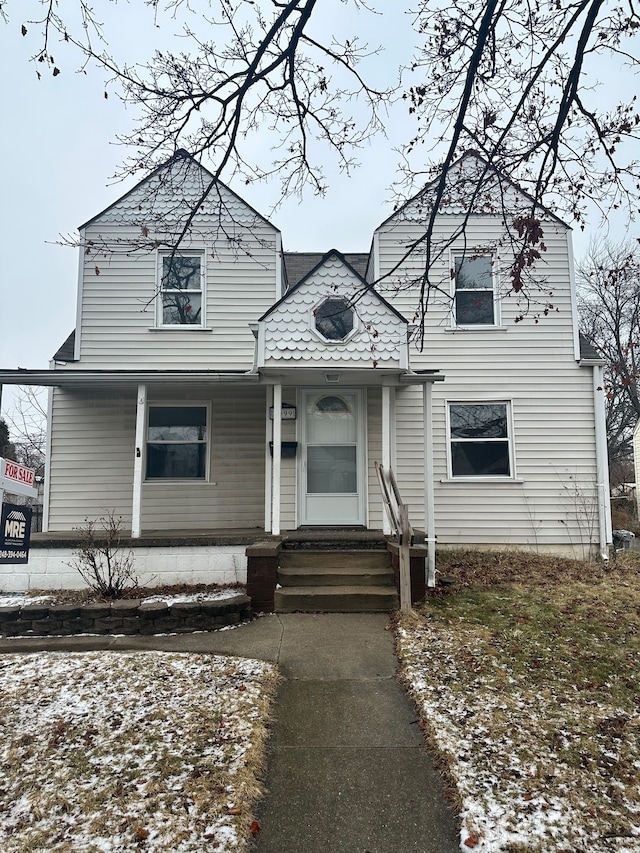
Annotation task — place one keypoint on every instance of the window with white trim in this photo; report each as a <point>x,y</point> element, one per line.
<point>480,443</point>
<point>181,289</point>
<point>177,443</point>
<point>474,289</point>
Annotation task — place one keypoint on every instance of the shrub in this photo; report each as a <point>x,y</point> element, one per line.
<point>101,560</point>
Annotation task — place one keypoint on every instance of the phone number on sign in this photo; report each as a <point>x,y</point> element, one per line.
<point>16,554</point>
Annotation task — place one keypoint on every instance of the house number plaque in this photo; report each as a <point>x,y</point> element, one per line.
<point>288,412</point>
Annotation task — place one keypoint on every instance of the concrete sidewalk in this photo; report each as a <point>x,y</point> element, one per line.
<point>347,771</point>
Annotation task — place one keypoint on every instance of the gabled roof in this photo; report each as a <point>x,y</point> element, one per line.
<point>587,350</point>
<point>461,171</point>
<point>299,264</point>
<point>322,260</point>
<point>182,159</point>
<point>67,351</point>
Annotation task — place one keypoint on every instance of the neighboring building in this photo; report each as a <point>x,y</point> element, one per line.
<point>162,399</point>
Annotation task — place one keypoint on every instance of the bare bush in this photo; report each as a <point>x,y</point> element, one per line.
<point>101,560</point>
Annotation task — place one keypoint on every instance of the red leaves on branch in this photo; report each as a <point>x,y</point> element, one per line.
<point>530,231</point>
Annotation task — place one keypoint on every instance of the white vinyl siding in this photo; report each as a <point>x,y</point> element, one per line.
<point>118,321</point>
<point>93,457</point>
<point>92,441</point>
<point>530,364</point>
<point>374,451</point>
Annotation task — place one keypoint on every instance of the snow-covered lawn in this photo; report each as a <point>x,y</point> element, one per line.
<point>105,752</point>
<point>531,697</point>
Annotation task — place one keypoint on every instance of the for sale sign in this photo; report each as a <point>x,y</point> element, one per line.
<point>17,479</point>
<point>15,534</point>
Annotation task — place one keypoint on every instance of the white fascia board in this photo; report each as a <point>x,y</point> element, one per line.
<point>279,288</point>
<point>260,355</point>
<point>376,256</point>
<point>574,298</point>
<point>79,297</point>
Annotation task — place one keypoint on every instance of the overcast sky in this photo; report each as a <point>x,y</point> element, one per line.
<point>58,154</point>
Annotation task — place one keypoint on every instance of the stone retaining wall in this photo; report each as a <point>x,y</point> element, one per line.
<point>125,616</point>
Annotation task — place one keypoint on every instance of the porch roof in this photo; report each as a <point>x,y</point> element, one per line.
<point>91,378</point>
<point>293,376</point>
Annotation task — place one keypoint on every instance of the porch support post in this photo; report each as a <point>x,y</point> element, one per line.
<point>429,498</point>
<point>137,462</point>
<point>386,446</point>
<point>268,436</point>
<point>277,449</point>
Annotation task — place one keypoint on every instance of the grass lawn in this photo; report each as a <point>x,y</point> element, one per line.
<point>527,676</point>
<point>105,752</point>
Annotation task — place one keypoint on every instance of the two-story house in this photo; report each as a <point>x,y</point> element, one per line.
<point>164,401</point>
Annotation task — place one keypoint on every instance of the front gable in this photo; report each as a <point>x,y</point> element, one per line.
<point>170,194</point>
<point>173,273</point>
<point>301,329</point>
<point>473,187</point>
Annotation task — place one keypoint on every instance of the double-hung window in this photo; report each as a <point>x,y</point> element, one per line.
<point>480,440</point>
<point>181,289</point>
<point>177,443</point>
<point>474,289</point>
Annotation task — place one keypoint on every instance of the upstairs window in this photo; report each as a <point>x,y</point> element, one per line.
<point>480,443</point>
<point>474,294</point>
<point>334,319</point>
<point>181,285</point>
<point>177,443</point>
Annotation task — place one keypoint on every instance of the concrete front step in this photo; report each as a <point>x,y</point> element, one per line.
<point>335,576</point>
<point>336,599</point>
<point>370,559</point>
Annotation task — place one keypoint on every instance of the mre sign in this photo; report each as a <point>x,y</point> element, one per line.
<point>15,533</point>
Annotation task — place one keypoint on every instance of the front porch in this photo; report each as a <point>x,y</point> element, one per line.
<point>343,561</point>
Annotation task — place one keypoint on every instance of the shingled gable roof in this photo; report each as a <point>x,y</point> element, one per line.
<point>474,155</point>
<point>587,350</point>
<point>323,258</point>
<point>67,351</point>
<point>298,264</point>
<point>180,154</point>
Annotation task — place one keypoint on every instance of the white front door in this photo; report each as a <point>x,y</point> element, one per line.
<point>333,458</point>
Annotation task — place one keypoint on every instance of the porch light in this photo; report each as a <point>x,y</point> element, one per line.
<point>332,377</point>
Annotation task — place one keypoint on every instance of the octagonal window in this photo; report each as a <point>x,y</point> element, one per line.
<point>334,319</point>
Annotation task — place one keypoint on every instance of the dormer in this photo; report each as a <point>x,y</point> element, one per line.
<point>332,317</point>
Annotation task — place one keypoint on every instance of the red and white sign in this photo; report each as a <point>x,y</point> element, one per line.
<point>17,479</point>
<point>18,473</point>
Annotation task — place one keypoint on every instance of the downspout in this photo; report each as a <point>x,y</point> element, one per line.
<point>429,497</point>
<point>602,464</point>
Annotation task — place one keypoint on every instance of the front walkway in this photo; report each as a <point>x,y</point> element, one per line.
<point>347,771</point>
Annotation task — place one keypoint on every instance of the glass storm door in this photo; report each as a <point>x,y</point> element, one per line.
<point>332,459</point>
